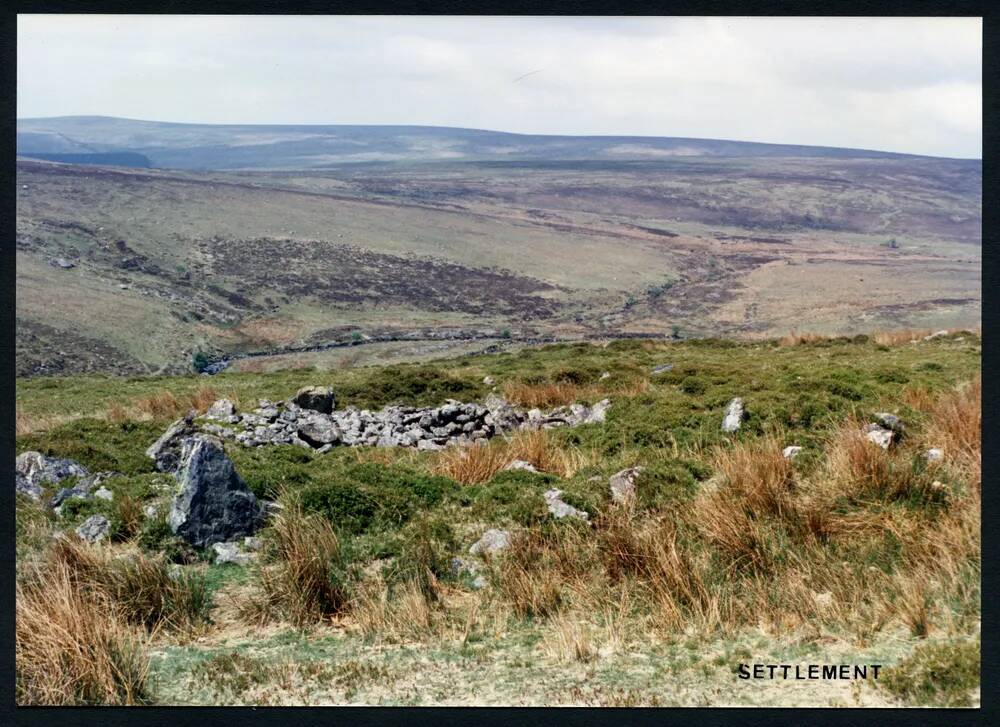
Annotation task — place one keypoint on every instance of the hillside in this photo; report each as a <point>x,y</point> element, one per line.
<point>674,549</point>
<point>208,146</point>
<point>133,270</point>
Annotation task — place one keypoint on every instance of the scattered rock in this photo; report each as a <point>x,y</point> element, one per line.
<point>936,334</point>
<point>491,542</point>
<point>319,431</point>
<point>166,450</point>
<point>604,375</point>
<point>230,553</point>
<point>934,454</point>
<point>877,434</point>
<point>489,380</point>
<point>103,493</point>
<point>560,509</point>
<point>662,368</point>
<point>252,542</point>
<point>94,528</point>
<point>61,262</point>
<point>520,464</point>
<point>222,409</point>
<point>33,470</point>
<point>316,398</point>
<point>890,422</point>
<point>734,415</point>
<point>68,493</point>
<point>214,505</point>
<point>791,451</point>
<point>623,484</point>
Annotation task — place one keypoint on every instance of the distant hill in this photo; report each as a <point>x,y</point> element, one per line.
<point>208,146</point>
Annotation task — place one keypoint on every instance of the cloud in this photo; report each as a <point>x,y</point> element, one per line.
<point>901,84</point>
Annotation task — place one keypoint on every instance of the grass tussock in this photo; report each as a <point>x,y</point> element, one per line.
<point>481,461</point>
<point>306,583</point>
<point>168,405</point>
<point>797,339</point>
<point>74,647</point>
<point>141,588</point>
<point>956,425</point>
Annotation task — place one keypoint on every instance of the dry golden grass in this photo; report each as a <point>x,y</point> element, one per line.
<point>900,336</point>
<point>166,404</point>
<point>73,647</point>
<point>956,425</point>
<point>795,339</point>
<point>300,587</point>
<point>569,638</point>
<point>545,395</point>
<point>141,589</point>
<point>401,615</point>
<point>25,424</point>
<point>481,461</point>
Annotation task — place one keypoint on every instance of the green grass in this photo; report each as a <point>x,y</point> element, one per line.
<point>936,675</point>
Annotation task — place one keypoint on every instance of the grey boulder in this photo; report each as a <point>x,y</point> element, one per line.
<point>319,431</point>
<point>33,470</point>
<point>492,541</point>
<point>560,509</point>
<point>213,505</point>
<point>735,413</point>
<point>166,451</point>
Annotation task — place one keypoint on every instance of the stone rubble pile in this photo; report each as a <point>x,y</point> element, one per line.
<point>309,419</point>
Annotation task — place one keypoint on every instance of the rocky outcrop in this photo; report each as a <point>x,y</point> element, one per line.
<point>166,451</point>
<point>222,409</point>
<point>877,434</point>
<point>213,505</point>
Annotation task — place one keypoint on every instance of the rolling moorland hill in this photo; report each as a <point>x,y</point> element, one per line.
<point>510,241</point>
<point>210,146</point>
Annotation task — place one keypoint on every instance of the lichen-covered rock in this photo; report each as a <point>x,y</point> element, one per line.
<point>315,398</point>
<point>623,484</point>
<point>166,451</point>
<point>735,413</point>
<point>213,505</point>
<point>94,528</point>
<point>492,541</point>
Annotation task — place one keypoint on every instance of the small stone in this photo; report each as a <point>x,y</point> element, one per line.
<point>890,422</point>
<point>94,528</point>
<point>560,509</point>
<point>520,464</point>
<point>791,451</point>
<point>230,553</point>
<point>604,375</point>
<point>662,368</point>
<point>623,484</point>
<point>104,493</point>
<point>491,542</point>
<point>936,334</point>
<point>734,415</point>
<point>489,380</point>
<point>879,435</point>
<point>252,542</point>
<point>934,454</point>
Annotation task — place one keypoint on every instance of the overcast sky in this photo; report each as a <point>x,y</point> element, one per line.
<point>901,84</point>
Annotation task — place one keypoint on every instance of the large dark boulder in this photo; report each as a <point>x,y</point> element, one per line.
<point>213,505</point>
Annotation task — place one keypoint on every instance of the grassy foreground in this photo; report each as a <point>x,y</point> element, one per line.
<point>729,554</point>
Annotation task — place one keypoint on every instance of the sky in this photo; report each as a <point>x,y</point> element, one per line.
<point>896,84</point>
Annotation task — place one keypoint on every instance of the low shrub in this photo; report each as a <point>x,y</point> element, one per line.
<point>936,675</point>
